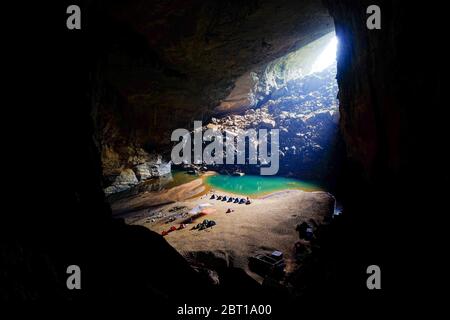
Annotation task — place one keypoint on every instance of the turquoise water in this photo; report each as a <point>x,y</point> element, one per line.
<point>175,178</point>
<point>257,185</point>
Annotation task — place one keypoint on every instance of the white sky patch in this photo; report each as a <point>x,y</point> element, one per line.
<point>327,57</point>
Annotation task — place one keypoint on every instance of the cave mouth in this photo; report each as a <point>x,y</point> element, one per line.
<point>136,68</point>
<point>297,95</point>
<point>224,213</point>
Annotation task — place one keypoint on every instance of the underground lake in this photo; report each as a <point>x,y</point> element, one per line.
<point>255,185</point>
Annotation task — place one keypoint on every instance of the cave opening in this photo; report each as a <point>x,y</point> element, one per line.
<point>327,57</point>
<point>297,95</point>
<point>115,90</point>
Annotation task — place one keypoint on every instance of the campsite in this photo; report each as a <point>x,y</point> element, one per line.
<point>265,225</point>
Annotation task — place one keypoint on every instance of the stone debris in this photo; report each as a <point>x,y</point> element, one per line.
<point>306,113</point>
<point>125,180</point>
<point>153,168</point>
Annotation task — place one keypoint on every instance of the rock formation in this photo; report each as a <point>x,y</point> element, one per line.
<point>157,65</point>
<point>305,110</point>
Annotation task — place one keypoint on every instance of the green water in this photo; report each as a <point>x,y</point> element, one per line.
<point>175,178</point>
<point>179,178</point>
<point>257,185</point>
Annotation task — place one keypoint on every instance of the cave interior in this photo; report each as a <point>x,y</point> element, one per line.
<point>115,90</point>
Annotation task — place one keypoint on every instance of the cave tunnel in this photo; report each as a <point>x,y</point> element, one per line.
<point>341,107</point>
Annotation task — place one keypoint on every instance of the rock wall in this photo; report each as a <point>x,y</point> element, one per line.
<point>128,178</point>
<point>125,163</point>
<point>65,219</point>
<point>254,87</point>
<point>393,119</point>
<point>387,79</point>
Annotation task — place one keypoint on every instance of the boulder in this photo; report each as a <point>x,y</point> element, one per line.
<point>153,169</point>
<point>161,169</point>
<point>125,180</point>
<point>126,177</point>
<point>142,172</point>
<point>116,188</point>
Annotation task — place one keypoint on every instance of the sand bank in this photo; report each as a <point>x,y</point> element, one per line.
<point>267,224</point>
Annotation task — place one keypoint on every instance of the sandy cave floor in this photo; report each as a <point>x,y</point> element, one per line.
<point>267,224</point>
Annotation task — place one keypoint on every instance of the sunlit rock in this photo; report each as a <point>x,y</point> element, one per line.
<point>142,172</point>
<point>160,169</point>
<point>124,181</point>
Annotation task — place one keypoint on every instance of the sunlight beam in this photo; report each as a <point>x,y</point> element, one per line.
<point>327,57</point>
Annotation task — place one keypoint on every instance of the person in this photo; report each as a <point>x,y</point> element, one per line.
<point>305,231</point>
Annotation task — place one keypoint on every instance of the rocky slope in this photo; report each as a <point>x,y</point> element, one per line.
<point>305,110</point>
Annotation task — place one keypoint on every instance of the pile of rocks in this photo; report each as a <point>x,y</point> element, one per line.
<point>132,176</point>
<point>306,113</point>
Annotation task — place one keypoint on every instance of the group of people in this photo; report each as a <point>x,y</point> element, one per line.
<point>231,199</point>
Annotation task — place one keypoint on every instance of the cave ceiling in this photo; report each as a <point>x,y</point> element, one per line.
<point>175,61</point>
